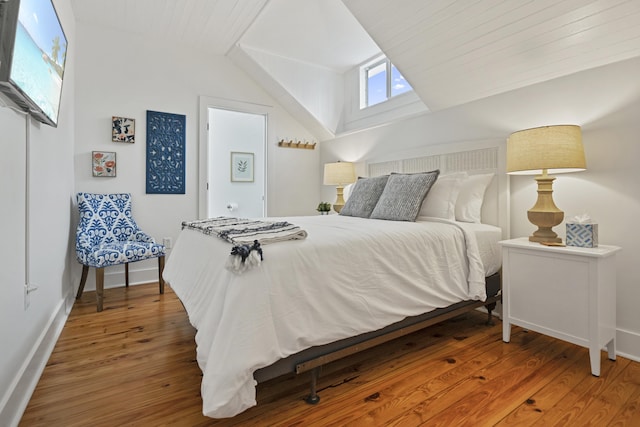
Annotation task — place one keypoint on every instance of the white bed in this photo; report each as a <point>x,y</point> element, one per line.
<point>348,277</point>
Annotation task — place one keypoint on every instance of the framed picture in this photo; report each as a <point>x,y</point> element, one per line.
<point>241,167</point>
<point>123,129</point>
<point>103,163</point>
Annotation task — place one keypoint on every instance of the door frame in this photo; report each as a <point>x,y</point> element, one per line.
<point>207,102</point>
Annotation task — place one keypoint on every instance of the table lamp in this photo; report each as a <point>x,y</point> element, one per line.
<point>339,174</point>
<point>540,151</point>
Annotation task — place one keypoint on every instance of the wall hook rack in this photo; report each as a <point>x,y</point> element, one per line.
<point>298,144</point>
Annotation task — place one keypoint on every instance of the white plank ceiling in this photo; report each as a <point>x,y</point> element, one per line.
<point>321,32</point>
<point>212,26</point>
<point>456,51</point>
<point>451,51</point>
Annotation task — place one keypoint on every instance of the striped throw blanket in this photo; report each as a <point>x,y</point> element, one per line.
<point>239,231</point>
<point>246,235</point>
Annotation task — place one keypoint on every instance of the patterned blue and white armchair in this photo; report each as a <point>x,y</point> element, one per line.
<point>108,235</point>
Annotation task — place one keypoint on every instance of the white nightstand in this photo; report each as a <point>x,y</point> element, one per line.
<point>568,293</point>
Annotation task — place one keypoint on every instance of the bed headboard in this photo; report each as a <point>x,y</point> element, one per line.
<point>474,157</point>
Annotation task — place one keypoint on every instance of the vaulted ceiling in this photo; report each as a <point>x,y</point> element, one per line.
<point>212,26</point>
<point>454,52</point>
<point>451,51</point>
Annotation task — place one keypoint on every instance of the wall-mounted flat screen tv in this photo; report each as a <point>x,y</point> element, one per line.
<point>33,50</point>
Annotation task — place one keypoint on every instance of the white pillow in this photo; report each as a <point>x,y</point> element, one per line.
<point>346,191</point>
<point>441,199</point>
<point>471,196</point>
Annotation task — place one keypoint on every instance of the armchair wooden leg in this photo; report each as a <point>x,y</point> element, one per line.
<point>83,280</point>
<point>160,270</point>
<point>126,274</point>
<point>99,287</point>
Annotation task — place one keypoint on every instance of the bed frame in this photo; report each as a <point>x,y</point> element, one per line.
<point>474,157</point>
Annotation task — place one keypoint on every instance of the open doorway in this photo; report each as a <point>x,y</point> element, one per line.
<point>233,159</point>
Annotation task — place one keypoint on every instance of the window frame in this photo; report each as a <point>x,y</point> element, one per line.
<point>364,81</point>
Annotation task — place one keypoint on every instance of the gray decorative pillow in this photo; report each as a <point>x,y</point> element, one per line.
<point>403,196</point>
<point>364,196</point>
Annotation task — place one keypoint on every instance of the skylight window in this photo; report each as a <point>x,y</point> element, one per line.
<point>380,81</point>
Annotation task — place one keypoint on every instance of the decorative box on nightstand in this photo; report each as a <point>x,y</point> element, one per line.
<point>568,293</point>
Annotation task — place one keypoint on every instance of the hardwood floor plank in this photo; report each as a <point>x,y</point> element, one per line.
<point>134,364</point>
<point>617,392</point>
<point>569,407</point>
<point>423,345</point>
<point>369,366</point>
<point>465,401</point>
<point>390,391</point>
<point>504,397</point>
<point>545,398</point>
<point>629,414</point>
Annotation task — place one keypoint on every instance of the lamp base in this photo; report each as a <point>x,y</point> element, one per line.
<point>545,235</point>
<point>545,214</point>
<point>339,204</point>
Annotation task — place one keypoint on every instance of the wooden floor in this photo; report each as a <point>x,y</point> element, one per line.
<point>134,364</point>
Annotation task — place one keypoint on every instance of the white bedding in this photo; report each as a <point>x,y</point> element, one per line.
<point>349,276</point>
<point>487,237</point>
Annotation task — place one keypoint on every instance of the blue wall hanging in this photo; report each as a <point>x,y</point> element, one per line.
<point>165,153</point>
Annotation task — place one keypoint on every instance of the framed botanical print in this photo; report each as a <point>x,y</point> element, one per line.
<point>103,163</point>
<point>241,167</point>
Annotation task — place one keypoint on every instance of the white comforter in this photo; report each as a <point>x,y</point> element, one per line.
<point>349,276</point>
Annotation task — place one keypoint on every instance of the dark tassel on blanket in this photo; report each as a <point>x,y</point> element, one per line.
<point>244,257</point>
<point>256,247</point>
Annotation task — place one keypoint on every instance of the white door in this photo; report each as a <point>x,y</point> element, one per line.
<point>236,163</point>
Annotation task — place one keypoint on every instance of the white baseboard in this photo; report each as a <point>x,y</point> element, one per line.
<point>628,344</point>
<point>17,396</point>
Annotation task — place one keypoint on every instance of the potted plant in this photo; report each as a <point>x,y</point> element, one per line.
<point>324,208</point>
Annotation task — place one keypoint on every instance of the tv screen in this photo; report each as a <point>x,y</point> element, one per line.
<point>33,50</point>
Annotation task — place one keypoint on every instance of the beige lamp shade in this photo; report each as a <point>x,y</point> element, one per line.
<point>557,149</point>
<point>339,173</point>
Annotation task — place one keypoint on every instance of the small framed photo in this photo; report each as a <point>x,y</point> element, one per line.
<point>123,129</point>
<point>103,163</point>
<point>241,167</point>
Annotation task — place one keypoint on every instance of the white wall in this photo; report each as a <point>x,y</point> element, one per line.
<point>318,89</point>
<point>51,187</point>
<point>123,74</point>
<point>606,103</point>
